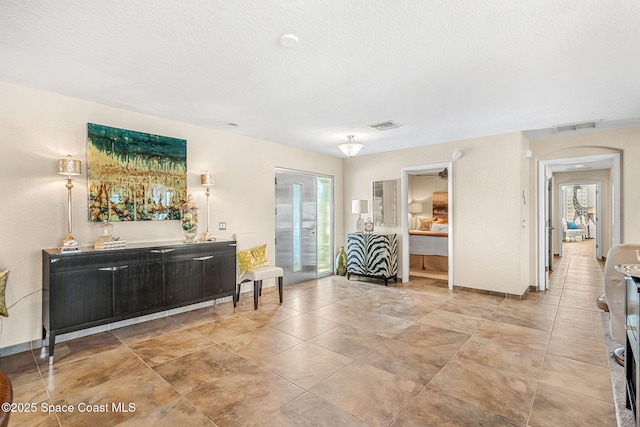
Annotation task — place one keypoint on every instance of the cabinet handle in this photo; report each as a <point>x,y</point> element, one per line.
<point>203,258</point>
<point>162,251</point>
<point>119,267</point>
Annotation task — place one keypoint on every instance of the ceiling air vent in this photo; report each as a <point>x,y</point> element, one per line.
<point>575,126</point>
<point>385,125</point>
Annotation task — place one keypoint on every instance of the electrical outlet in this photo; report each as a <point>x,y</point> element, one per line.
<point>222,226</point>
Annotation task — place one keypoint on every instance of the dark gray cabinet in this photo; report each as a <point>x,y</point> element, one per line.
<point>92,287</point>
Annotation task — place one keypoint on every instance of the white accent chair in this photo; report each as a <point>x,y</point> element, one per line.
<point>256,275</point>
<point>571,233</point>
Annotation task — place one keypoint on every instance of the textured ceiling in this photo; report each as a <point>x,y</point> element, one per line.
<point>445,70</point>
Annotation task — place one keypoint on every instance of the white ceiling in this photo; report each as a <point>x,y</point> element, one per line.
<point>445,70</point>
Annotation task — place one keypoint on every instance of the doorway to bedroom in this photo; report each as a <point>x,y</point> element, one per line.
<point>427,223</point>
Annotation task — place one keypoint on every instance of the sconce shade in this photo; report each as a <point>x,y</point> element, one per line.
<point>415,207</point>
<point>351,148</point>
<point>207,180</point>
<point>69,166</point>
<point>359,206</point>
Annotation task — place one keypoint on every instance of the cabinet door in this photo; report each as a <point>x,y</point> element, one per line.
<point>219,273</point>
<point>357,254</point>
<point>137,288</point>
<point>79,296</point>
<point>382,255</point>
<point>183,279</point>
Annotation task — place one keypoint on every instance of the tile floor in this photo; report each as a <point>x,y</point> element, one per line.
<point>341,353</point>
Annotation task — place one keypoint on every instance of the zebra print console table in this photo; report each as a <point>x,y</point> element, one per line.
<point>373,255</point>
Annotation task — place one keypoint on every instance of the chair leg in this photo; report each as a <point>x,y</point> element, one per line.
<point>236,297</point>
<point>280,288</point>
<point>257,285</point>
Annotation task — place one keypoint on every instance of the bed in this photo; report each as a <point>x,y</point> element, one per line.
<point>428,243</point>
<point>428,250</point>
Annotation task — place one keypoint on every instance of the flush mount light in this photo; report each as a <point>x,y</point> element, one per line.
<point>351,148</point>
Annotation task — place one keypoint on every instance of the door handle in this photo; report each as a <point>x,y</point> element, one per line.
<point>203,258</point>
<point>162,251</point>
<point>116,268</point>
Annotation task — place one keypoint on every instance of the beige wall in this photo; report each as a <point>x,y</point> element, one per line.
<point>37,127</point>
<point>624,141</point>
<point>421,189</point>
<point>486,204</point>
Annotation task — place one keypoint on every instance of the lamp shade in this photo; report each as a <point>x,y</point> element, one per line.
<point>359,206</point>
<point>69,166</point>
<point>351,148</point>
<point>415,207</point>
<point>207,180</point>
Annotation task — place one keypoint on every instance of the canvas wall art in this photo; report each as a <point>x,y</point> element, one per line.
<point>134,176</point>
<point>440,200</point>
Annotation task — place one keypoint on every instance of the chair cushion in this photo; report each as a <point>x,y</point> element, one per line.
<point>262,273</point>
<point>572,225</point>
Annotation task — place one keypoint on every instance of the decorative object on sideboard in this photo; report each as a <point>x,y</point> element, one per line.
<point>69,167</point>
<point>368,225</point>
<point>415,208</point>
<point>134,176</point>
<point>189,219</point>
<point>341,262</point>
<point>359,207</point>
<point>207,181</point>
<point>350,148</point>
<point>105,231</point>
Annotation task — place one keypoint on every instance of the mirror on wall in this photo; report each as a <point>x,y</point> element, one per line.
<point>384,203</point>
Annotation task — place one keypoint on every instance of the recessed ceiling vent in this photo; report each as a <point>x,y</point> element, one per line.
<point>575,126</point>
<point>385,125</point>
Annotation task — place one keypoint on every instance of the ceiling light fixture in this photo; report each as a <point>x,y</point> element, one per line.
<point>351,148</point>
<point>288,40</point>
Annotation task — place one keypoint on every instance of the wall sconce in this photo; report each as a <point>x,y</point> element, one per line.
<point>350,148</point>
<point>359,207</point>
<point>207,181</point>
<point>415,208</point>
<point>69,167</point>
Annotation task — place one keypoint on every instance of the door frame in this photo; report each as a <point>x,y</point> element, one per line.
<point>413,170</point>
<point>561,202</point>
<point>542,216</point>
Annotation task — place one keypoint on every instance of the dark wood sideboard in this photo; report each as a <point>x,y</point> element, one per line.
<point>96,287</point>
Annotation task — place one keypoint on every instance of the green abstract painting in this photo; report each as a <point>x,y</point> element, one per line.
<point>135,176</point>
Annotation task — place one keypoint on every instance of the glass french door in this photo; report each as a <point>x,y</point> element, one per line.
<point>304,225</point>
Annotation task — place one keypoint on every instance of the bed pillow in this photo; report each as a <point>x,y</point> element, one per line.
<point>425,223</point>
<point>441,221</point>
<point>571,225</point>
<point>440,228</point>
